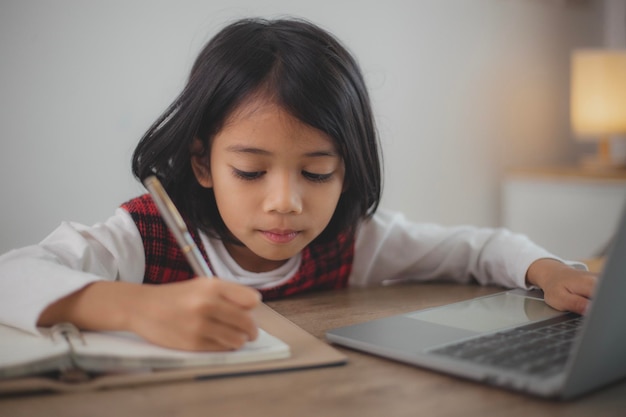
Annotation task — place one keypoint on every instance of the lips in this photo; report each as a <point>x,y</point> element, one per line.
<point>280,236</point>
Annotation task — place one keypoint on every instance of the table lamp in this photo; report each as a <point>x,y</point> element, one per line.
<point>598,101</point>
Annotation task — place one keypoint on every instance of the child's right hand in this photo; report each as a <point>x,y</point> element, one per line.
<point>200,314</point>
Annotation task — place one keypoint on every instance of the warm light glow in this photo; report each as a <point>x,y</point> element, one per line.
<point>598,89</point>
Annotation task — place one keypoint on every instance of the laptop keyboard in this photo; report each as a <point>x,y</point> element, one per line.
<point>539,348</point>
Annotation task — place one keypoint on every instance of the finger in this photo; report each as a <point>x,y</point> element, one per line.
<point>224,336</point>
<point>243,296</point>
<point>231,315</point>
<point>577,304</point>
<point>584,286</point>
<point>213,301</point>
<point>207,333</point>
<point>569,301</point>
<point>217,342</point>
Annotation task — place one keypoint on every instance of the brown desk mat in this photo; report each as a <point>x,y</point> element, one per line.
<point>306,352</point>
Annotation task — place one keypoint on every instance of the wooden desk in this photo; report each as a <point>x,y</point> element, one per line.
<point>366,386</point>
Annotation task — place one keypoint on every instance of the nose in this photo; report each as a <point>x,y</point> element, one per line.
<point>283,195</point>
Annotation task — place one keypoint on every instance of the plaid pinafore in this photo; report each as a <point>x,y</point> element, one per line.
<point>324,266</point>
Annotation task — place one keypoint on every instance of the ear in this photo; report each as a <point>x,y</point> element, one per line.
<point>200,163</point>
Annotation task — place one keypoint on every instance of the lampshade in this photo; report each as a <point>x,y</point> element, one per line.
<point>598,94</point>
<point>598,100</point>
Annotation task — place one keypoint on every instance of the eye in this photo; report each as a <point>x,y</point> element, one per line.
<point>311,176</point>
<point>247,175</point>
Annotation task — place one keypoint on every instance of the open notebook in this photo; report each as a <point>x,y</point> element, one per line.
<point>281,346</point>
<point>65,349</point>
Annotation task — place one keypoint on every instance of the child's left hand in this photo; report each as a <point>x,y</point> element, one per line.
<point>564,288</point>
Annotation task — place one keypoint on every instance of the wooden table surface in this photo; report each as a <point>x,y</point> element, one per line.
<point>366,386</point>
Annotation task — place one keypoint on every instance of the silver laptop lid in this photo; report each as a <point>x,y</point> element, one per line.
<point>600,356</point>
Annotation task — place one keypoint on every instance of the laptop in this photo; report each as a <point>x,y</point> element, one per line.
<point>565,355</point>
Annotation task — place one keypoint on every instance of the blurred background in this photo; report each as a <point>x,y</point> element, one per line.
<point>464,92</point>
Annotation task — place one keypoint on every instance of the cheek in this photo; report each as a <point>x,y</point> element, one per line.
<point>325,201</point>
<point>233,210</point>
<point>237,201</point>
<point>228,192</point>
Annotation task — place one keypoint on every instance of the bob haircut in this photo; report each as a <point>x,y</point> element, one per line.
<point>295,64</point>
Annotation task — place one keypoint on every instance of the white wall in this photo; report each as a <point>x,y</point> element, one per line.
<point>461,89</point>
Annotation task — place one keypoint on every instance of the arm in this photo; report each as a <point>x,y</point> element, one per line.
<point>200,314</point>
<point>90,276</point>
<point>70,258</point>
<point>389,247</point>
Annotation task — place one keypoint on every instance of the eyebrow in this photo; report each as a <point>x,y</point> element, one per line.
<point>259,151</point>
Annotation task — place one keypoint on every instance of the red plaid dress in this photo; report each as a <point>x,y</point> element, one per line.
<point>324,266</point>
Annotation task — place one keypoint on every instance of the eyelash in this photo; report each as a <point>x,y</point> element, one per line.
<point>246,175</point>
<point>255,175</point>
<point>319,178</point>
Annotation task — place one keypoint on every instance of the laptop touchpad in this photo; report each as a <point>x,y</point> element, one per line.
<point>488,313</point>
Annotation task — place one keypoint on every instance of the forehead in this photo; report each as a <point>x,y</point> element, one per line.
<point>263,122</point>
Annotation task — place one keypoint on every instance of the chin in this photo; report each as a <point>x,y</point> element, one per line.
<point>279,254</point>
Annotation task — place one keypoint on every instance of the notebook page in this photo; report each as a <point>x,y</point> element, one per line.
<point>124,350</point>
<point>23,353</point>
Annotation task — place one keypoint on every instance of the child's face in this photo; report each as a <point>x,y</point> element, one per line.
<point>276,181</point>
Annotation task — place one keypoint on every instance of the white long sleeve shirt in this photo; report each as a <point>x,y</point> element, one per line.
<point>388,247</point>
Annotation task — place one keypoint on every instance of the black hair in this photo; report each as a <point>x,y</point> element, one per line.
<point>306,71</point>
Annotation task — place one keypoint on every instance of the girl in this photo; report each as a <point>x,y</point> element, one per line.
<point>271,155</point>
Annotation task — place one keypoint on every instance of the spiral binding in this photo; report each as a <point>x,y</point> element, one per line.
<point>70,333</point>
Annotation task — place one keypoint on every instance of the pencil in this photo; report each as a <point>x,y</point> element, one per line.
<point>177,226</point>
